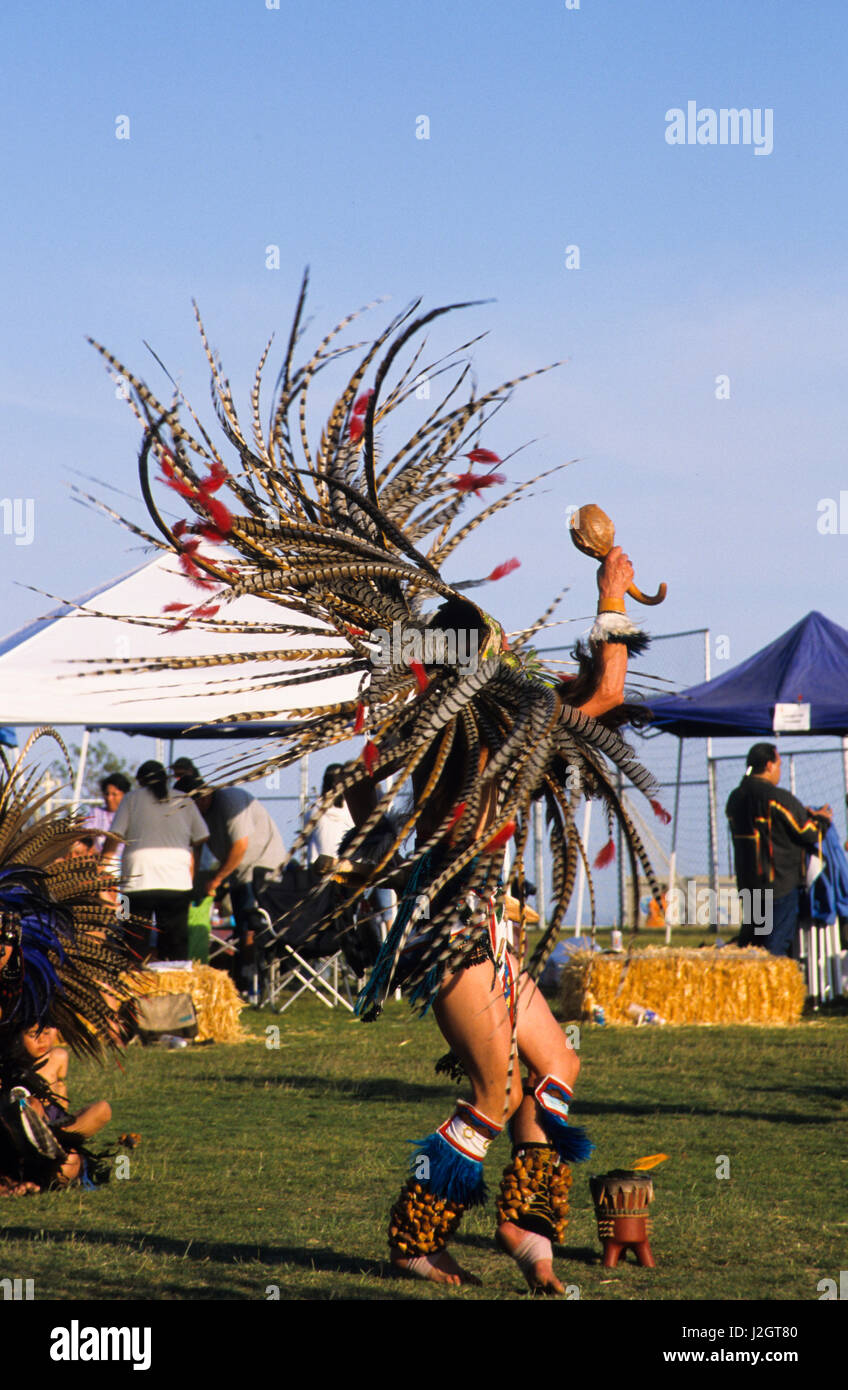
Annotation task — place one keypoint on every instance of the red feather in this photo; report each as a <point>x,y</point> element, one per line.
<point>179,528</point>
<point>174,607</point>
<point>660,812</point>
<point>207,610</point>
<point>184,489</point>
<point>506,568</point>
<point>420,674</point>
<point>170,476</point>
<point>361,405</point>
<point>220,516</point>
<point>356,631</point>
<point>473,482</point>
<point>356,428</point>
<point>482,456</point>
<point>188,566</point>
<point>359,723</point>
<point>457,814</point>
<point>370,756</point>
<point>215,478</point>
<point>502,838</point>
<point>606,855</point>
<point>190,569</point>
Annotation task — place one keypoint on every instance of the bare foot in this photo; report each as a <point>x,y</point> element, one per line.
<point>441,1268</point>
<point>20,1189</point>
<point>539,1271</point>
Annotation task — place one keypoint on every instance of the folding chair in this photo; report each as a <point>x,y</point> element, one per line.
<point>292,955</point>
<point>222,943</point>
<point>321,975</point>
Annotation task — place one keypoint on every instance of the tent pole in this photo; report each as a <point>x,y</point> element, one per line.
<point>792,773</point>
<point>581,872</point>
<point>539,846</point>
<point>86,735</point>
<point>711,787</point>
<point>711,768</point>
<point>620,856</point>
<point>672,862</point>
<point>47,785</point>
<point>304,786</point>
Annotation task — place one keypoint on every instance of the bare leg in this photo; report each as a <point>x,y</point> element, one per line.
<point>472,1015</point>
<point>474,1020</point>
<point>543,1047</point>
<point>90,1120</point>
<point>70,1170</point>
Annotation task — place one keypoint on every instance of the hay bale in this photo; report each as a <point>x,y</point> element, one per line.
<point>687,986</point>
<point>216,1000</point>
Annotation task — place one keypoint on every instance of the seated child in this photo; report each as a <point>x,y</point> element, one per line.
<point>35,1071</point>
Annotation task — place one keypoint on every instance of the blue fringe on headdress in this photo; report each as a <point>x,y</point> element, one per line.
<point>449,1173</point>
<point>571,1142</point>
<point>425,992</point>
<point>373,995</point>
<point>43,927</point>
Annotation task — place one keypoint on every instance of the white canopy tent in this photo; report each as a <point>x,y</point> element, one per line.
<point>55,670</point>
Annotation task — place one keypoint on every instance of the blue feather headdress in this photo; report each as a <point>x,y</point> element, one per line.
<point>63,961</point>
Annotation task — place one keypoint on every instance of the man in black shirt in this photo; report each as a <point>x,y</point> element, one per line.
<point>771,831</point>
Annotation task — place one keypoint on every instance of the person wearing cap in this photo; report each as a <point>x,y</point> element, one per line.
<point>772,833</point>
<point>185,771</point>
<point>244,840</point>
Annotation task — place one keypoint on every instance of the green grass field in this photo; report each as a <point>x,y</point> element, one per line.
<point>265,1169</point>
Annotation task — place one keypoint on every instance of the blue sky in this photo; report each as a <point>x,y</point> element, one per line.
<point>297,127</point>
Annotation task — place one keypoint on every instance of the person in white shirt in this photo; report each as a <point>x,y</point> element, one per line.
<point>162,835</point>
<point>334,824</point>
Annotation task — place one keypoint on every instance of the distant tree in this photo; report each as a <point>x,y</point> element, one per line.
<point>100,761</point>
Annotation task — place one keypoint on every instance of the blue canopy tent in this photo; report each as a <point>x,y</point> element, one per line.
<point>797,684</point>
<point>808,665</point>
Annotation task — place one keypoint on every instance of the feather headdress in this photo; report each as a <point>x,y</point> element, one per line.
<point>62,959</point>
<point>353,541</point>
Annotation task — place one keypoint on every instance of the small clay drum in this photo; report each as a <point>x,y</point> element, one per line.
<point>622,1198</point>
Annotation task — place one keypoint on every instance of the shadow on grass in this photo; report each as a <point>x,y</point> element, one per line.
<point>395,1089</point>
<point>322,1258</point>
<point>588,1108</point>
<point>389,1088</point>
<point>827,1092</point>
